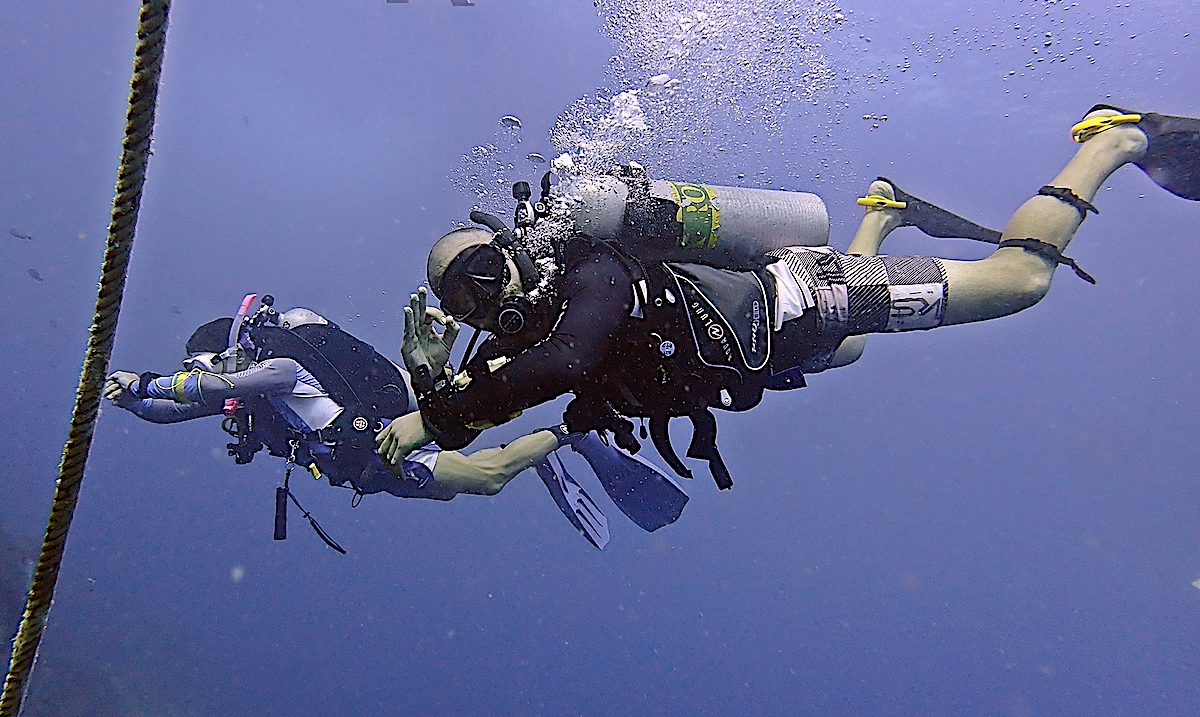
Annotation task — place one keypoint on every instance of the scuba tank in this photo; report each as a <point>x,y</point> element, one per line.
<point>725,227</point>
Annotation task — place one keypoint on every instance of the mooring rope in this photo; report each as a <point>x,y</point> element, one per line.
<point>135,152</point>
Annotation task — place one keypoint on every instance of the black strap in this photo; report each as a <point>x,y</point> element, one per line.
<point>564,435</point>
<point>662,443</point>
<point>704,447</point>
<point>144,381</point>
<point>1063,194</point>
<point>633,267</point>
<point>1050,252</point>
<point>316,526</point>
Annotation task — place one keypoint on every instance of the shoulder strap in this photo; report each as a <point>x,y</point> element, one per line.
<point>637,273</point>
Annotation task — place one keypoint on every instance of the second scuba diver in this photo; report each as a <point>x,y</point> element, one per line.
<point>635,336</point>
<point>309,392</point>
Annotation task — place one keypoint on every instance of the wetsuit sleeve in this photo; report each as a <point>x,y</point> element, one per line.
<point>187,395</point>
<point>597,296</point>
<point>162,410</point>
<point>272,377</point>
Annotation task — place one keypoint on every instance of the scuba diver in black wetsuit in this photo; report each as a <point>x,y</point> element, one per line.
<point>633,335</point>
<point>307,391</point>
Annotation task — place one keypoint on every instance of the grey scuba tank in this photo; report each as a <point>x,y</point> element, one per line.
<point>665,220</point>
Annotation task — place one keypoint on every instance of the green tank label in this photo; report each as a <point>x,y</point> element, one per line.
<point>700,219</point>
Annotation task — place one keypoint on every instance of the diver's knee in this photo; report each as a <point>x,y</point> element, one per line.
<point>492,476</point>
<point>849,351</point>
<point>1024,277</point>
<point>491,485</point>
<point>1032,288</point>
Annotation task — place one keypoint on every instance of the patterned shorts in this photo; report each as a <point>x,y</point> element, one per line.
<point>862,295</point>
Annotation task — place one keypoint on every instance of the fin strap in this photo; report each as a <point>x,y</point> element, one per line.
<point>1088,128</point>
<point>1065,195</point>
<point>880,202</point>
<point>1050,252</point>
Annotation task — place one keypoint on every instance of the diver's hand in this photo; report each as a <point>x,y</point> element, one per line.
<point>119,388</point>
<point>401,437</point>
<point>422,345</point>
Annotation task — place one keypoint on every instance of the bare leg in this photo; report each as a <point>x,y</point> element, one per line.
<point>1012,278</point>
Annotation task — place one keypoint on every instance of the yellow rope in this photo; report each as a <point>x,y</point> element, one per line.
<point>135,151</point>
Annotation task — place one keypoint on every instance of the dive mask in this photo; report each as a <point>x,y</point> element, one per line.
<point>474,281</point>
<point>206,361</point>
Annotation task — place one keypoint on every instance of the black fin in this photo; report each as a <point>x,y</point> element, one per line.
<point>937,222</point>
<point>643,493</point>
<point>1173,158</point>
<point>575,503</point>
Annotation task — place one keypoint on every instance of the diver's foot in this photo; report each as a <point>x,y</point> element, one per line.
<point>1170,154</point>
<point>902,209</point>
<point>881,201</point>
<point>1111,129</point>
<point>881,216</point>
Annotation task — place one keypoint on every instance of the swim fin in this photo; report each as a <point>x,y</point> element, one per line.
<point>642,492</point>
<point>1172,159</point>
<point>575,503</point>
<point>933,220</point>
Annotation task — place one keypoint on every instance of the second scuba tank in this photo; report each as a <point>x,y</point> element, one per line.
<point>664,220</point>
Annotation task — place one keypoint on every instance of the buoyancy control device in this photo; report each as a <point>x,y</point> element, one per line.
<point>369,387</point>
<point>705,246</point>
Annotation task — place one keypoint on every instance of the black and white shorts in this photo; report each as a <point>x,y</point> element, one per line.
<point>851,295</point>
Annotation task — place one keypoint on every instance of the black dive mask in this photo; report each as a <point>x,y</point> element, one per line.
<point>473,285</point>
<point>472,288</point>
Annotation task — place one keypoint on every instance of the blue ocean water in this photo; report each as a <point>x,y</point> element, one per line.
<point>999,518</point>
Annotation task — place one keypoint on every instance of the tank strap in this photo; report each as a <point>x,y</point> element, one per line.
<point>637,273</point>
<point>662,443</point>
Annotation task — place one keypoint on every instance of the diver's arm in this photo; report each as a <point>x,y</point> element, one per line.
<point>487,471</point>
<point>160,410</point>
<point>121,389</point>
<point>195,394</point>
<point>272,377</point>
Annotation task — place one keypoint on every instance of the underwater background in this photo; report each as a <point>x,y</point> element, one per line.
<point>1001,518</point>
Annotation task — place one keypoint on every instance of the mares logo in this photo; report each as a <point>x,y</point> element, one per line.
<point>916,306</point>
